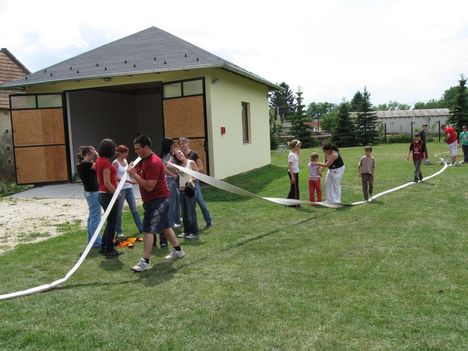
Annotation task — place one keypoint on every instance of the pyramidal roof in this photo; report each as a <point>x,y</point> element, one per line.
<point>149,51</point>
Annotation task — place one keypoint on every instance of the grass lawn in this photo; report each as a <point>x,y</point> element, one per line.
<point>391,275</point>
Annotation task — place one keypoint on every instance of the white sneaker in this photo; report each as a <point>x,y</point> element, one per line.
<point>191,236</point>
<point>181,235</point>
<point>176,225</point>
<point>141,266</point>
<point>174,254</point>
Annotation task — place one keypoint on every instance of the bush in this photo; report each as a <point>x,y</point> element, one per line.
<point>7,189</point>
<point>309,142</point>
<point>404,138</point>
<point>399,138</point>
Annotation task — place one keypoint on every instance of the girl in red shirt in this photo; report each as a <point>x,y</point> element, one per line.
<point>106,174</point>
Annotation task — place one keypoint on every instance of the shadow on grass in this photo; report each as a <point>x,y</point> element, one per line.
<point>263,177</point>
<point>248,240</point>
<point>111,264</point>
<point>160,273</point>
<point>96,284</point>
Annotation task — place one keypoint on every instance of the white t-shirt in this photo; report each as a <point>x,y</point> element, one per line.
<point>185,177</point>
<point>292,158</point>
<point>120,173</point>
<point>314,171</point>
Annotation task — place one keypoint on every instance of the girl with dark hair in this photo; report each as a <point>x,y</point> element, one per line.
<point>168,146</point>
<point>106,174</point>
<point>127,194</point>
<point>293,168</point>
<point>87,174</point>
<point>336,168</point>
<point>187,195</point>
<point>192,155</point>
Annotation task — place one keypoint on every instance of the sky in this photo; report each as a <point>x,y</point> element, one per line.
<point>403,50</point>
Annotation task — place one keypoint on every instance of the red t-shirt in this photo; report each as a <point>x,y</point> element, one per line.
<point>451,134</point>
<point>152,168</point>
<point>101,164</point>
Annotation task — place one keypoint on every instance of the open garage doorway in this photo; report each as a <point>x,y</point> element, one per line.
<point>117,112</point>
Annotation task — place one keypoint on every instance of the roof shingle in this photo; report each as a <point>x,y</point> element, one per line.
<point>151,50</point>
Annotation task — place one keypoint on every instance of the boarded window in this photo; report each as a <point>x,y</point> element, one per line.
<point>23,101</point>
<point>172,90</point>
<point>193,87</point>
<point>245,122</point>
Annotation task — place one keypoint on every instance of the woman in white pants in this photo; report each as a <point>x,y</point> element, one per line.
<point>336,168</point>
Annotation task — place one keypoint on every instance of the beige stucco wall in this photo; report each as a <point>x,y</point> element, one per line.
<point>227,92</point>
<point>228,155</point>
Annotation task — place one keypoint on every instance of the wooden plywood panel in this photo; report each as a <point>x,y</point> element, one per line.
<point>184,117</point>
<point>38,127</point>
<point>41,164</point>
<point>198,145</point>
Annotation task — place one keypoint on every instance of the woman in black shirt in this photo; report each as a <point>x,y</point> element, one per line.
<point>88,177</point>
<point>336,168</point>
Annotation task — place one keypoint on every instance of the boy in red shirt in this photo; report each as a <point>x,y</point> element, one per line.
<point>451,140</point>
<point>418,149</point>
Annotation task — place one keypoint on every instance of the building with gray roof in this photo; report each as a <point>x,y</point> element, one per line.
<point>150,82</point>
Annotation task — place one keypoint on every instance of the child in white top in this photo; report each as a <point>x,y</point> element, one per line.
<point>293,168</point>
<point>315,186</point>
<point>127,194</point>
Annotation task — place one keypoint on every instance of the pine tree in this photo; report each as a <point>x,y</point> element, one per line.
<point>356,102</point>
<point>459,110</point>
<point>344,132</point>
<point>366,121</point>
<point>274,130</point>
<point>299,129</point>
<point>283,101</point>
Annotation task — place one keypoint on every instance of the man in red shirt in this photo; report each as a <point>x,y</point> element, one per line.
<point>151,177</point>
<point>451,140</point>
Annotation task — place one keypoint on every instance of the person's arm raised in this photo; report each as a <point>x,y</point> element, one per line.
<point>330,160</point>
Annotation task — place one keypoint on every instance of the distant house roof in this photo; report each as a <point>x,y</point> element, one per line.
<point>433,112</point>
<point>10,68</point>
<point>149,51</point>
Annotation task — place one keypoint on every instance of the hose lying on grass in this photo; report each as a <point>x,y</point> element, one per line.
<point>213,182</point>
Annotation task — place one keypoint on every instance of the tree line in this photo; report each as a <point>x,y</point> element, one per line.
<point>336,118</point>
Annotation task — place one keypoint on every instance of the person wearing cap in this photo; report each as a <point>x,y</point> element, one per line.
<point>418,150</point>
<point>424,133</point>
<point>463,138</point>
<point>293,168</point>
<point>451,140</point>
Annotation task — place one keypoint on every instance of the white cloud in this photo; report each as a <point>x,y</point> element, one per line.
<point>401,50</point>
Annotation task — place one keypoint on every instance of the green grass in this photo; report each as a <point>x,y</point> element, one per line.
<point>391,275</point>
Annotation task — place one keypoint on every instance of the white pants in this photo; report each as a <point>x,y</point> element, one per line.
<point>453,148</point>
<point>333,183</point>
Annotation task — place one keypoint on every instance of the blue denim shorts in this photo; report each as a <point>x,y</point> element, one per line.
<point>156,217</point>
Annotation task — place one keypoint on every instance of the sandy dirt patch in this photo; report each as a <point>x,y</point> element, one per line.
<point>32,220</point>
